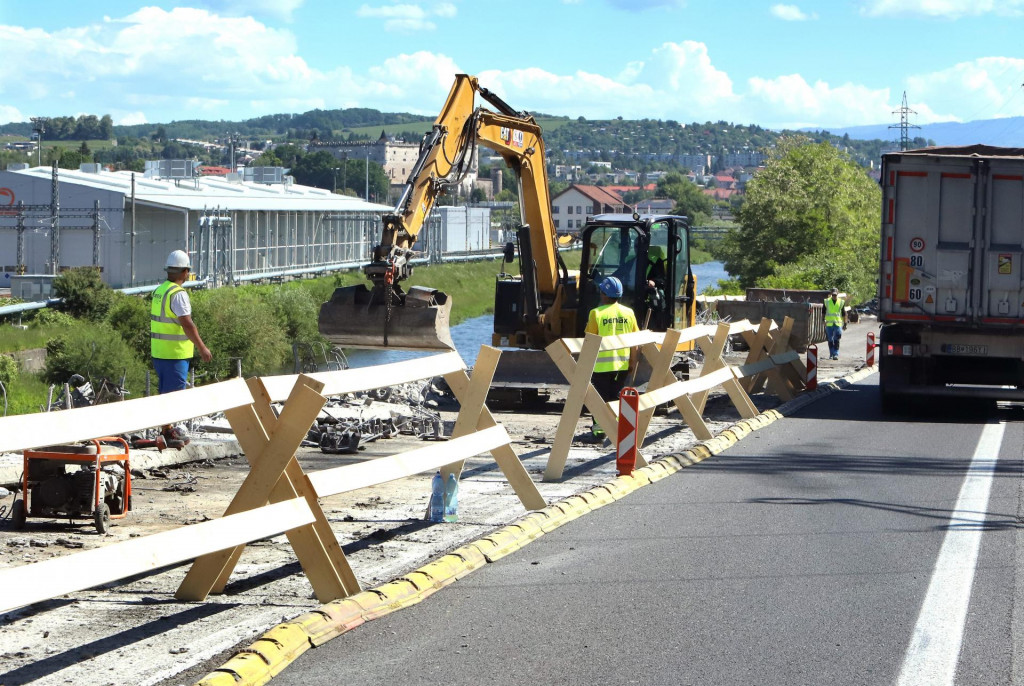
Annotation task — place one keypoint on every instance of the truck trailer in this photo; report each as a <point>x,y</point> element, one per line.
<point>950,291</point>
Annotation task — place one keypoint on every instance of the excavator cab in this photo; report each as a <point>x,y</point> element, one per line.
<point>650,255</point>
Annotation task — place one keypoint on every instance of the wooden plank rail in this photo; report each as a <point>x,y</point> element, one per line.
<point>367,378</point>
<point>28,431</point>
<point>351,477</point>
<point>32,583</point>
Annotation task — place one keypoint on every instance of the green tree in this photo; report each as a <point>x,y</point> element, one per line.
<point>235,322</point>
<point>84,293</point>
<point>129,316</point>
<point>810,220</point>
<point>690,202</point>
<point>96,351</point>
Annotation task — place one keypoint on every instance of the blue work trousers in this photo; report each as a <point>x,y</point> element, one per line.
<point>833,333</point>
<point>172,375</point>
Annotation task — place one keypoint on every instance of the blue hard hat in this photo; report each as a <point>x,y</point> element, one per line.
<point>611,287</point>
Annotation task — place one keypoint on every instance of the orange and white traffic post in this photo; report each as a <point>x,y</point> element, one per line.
<point>812,368</point>
<point>629,407</point>
<point>870,357</point>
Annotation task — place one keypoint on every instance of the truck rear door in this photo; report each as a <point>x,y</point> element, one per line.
<point>1001,289</point>
<point>952,240</point>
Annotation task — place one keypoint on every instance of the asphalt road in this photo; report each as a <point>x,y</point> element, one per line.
<point>834,546</point>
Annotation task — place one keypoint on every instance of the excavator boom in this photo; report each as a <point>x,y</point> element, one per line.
<point>383,314</point>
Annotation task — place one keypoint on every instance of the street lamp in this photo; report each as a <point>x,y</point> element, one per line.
<point>334,170</point>
<point>367,173</point>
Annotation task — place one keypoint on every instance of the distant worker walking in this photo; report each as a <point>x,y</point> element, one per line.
<point>173,336</point>
<point>612,318</point>
<point>835,322</point>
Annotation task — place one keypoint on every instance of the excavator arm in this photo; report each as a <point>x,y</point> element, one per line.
<point>384,315</point>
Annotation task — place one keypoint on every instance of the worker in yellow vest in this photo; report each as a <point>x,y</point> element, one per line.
<point>173,336</point>
<point>835,322</point>
<point>612,318</point>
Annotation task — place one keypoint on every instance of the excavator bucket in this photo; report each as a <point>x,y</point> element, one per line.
<point>356,317</point>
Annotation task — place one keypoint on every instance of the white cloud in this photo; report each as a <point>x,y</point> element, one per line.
<point>950,9</point>
<point>791,13</point>
<point>9,114</point>
<point>791,102</point>
<point>408,18</point>
<point>992,86</point>
<point>277,9</point>
<point>129,118</point>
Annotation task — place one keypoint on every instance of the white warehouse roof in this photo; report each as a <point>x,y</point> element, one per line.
<point>211,192</point>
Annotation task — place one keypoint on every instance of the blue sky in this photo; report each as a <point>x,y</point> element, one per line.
<point>827,63</point>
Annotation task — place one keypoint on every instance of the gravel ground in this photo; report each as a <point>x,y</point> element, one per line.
<point>135,632</point>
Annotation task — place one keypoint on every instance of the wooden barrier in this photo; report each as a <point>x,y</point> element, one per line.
<point>281,477</point>
<point>276,495</point>
<point>768,346</point>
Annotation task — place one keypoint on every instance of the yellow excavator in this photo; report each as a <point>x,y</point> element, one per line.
<point>545,301</point>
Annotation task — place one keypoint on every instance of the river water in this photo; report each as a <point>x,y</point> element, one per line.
<point>472,333</point>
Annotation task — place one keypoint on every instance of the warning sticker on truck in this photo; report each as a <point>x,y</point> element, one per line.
<point>1005,263</point>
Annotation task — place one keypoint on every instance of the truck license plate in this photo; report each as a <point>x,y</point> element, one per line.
<point>964,349</point>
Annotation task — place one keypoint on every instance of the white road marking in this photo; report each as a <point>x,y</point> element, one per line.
<point>934,651</point>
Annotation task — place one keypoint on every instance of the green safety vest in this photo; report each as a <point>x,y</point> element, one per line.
<point>613,319</point>
<point>834,312</point>
<point>167,340</point>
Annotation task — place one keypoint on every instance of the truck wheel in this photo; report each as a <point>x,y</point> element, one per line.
<point>18,514</point>
<point>101,517</point>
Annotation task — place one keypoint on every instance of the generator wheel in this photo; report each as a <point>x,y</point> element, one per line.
<point>18,514</point>
<point>102,519</point>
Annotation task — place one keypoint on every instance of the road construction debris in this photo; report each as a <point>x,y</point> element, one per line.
<point>347,423</point>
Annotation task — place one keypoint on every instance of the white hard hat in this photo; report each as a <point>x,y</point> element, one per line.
<point>178,260</point>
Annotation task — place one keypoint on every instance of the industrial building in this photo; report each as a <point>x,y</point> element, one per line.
<point>236,228</point>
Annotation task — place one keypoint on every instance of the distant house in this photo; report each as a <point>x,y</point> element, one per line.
<point>622,190</point>
<point>395,156</point>
<point>655,206</point>
<point>571,207</point>
<point>719,193</point>
<point>722,181</point>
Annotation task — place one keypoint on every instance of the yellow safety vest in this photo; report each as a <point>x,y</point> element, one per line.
<point>611,320</point>
<point>834,312</point>
<point>167,340</point>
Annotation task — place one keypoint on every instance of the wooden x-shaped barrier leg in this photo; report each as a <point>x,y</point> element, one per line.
<point>758,344</point>
<point>581,392</point>
<point>661,375</point>
<point>475,416</point>
<point>714,350</point>
<point>269,444</point>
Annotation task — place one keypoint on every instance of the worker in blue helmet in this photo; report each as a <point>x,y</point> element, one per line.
<point>612,318</point>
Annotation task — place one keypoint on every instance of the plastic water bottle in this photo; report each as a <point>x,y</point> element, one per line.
<point>451,499</point>
<point>436,507</point>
